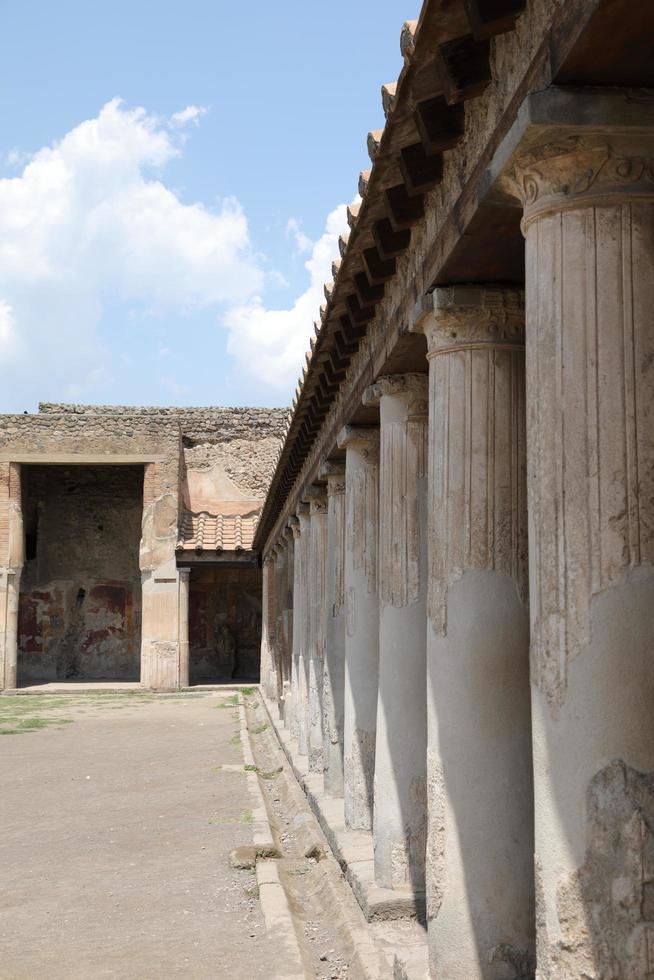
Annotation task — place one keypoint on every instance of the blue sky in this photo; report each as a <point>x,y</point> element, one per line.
<point>168,248</point>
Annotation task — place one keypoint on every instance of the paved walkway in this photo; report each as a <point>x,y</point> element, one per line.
<point>117,816</point>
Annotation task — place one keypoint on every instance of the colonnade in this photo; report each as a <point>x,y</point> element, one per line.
<point>473,604</point>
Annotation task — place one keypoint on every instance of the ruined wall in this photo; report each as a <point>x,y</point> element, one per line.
<point>80,597</point>
<point>224,624</point>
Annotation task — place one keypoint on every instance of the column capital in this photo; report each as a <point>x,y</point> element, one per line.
<point>184,574</point>
<point>316,496</point>
<point>334,472</point>
<point>396,384</point>
<point>294,527</point>
<point>582,169</point>
<point>470,317</point>
<point>364,437</point>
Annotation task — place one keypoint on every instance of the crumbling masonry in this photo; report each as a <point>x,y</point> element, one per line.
<point>461,665</point>
<point>126,543</point>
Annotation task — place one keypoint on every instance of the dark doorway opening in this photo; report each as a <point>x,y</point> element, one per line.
<point>224,624</point>
<point>80,596</point>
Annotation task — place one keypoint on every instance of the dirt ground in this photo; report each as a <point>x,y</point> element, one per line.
<point>117,816</point>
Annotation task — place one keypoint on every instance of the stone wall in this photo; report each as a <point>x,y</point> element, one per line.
<point>80,596</point>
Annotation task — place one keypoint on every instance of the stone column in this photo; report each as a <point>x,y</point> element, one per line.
<point>480,881</point>
<point>291,715</point>
<point>317,578</point>
<point>400,817</point>
<point>265,661</point>
<point>362,621</point>
<point>11,565</point>
<point>288,625</point>
<point>280,621</point>
<point>302,707</point>
<point>589,227</point>
<point>334,664</point>
<point>184,645</point>
<point>160,583</point>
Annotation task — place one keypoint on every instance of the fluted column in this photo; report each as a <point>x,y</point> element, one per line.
<point>480,881</point>
<point>286,705</point>
<point>302,706</point>
<point>361,446</point>
<point>334,663</point>
<point>291,714</point>
<point>267,627</point>
<point>400,793</point>
<point>184,644</point>
<point>317,496</point>
<point>280,619</point>
<point>589,226</point>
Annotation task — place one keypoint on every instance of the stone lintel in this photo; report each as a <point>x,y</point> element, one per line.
<point>360,435</point>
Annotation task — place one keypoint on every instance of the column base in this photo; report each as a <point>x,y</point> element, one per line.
<point>353,849</point>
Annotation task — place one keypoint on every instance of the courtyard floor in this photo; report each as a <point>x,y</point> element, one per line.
<point>117,814</point>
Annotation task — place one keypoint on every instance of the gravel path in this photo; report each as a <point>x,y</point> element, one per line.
<point>117,816</point>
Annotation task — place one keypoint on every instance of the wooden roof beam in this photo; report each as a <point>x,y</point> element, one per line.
<point>421,171</point>
<point>388,241</point>
<point>378,269</point>
<point>490,17</point>
<point>464,65</point>
<point>440,125</point>
<point>367,292</point>
<point>405,209</point>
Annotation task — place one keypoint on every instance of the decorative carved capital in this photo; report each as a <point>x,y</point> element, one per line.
<point>396,384</point>
<point>294,527</point>
<point>334,472</point>
<point>364,437</point>
<point>582,170</point>
<point>316,496</point>
<point>463,317</point>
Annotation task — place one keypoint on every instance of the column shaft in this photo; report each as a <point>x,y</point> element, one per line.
<point>480,843</point>
<point>317,583</point>
<point>304,639</point>
<point>400,817</point>
<point>184,645</point>
<point>362,622</point>
<point>589,224</point>
<point>334,664</point>
<point>11,565</point>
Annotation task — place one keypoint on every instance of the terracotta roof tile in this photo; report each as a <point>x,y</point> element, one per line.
<point>216,532</point>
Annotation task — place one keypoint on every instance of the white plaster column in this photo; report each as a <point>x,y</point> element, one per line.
<point>184,644</point>
<point>400,794</point>
<point>160,582</point>
<point>362,621</point>
<point>265,661</point>
<point>317,496</point>
<point>11,565</point>
<point>302,713</point>
<point>280,620</point>
<point>334,662</point>
<point>589,225</point>
<point>286,705</point>
<point>480,882</point>
<point>291,715</point>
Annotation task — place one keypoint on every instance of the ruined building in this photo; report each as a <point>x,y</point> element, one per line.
<point>458,539</point>
<point>126,543</point>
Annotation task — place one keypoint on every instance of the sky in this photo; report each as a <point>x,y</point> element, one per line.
<point>173,181</point>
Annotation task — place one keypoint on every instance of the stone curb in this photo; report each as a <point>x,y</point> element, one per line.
<point>262,833</point>
<point>354,855</point>
<point>368,962</point>
<point>278,918</point>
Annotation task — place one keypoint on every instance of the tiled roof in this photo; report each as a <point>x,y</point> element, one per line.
<point>216,532</point>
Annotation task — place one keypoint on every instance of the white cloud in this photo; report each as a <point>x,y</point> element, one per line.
<point>89,221</point>
<point>192,113</point>
<point>302,242</point>
<point>270,344</point>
